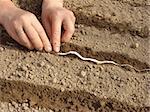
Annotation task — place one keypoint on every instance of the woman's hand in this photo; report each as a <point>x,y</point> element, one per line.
<point>58,22</point>
<point>24,27</point>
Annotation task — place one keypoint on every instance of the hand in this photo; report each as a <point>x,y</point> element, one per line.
<point>24,27</point>
<point>58,22</point>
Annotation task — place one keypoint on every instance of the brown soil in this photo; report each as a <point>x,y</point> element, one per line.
<point>115,30</point>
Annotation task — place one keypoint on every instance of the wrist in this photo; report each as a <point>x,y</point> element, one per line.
<point>5,6</point>
<point>52,3</point>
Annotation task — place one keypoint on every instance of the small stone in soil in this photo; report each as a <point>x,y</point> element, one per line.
<point>6,59</point>
<point>54,80</point>
<point>103,103</point>
<point>14,104</point>
<point>83,73</point>
<point>25,106</point>
<point>63,82</point>
<point>114,77</point>
<point>79,26</point>
<point>135,45</point>
<point>41,64</point>
<point>1,49</point>
<point>69,76</point>
<point>51,111</point>
<point>24,68</point>
<point>83,32</point>
<point>18,74</point>
<point>48,66</point>
<point>62,89</point>
<point>32,103</point>
<point>19,64</point>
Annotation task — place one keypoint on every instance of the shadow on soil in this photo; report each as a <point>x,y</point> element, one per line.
<point>105,23</point>
<point>102,56</point>
<point>45,96</point>
<point>7,42</point>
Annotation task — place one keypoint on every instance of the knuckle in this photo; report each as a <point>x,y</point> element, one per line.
<point>57,13</point>
<point>18,32</point>
<point>27,15</point>
<point>22,17</point>
<point>15,23</point>
<point>30,15</point>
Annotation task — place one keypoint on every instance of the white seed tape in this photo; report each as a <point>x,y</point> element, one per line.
<point>101,62</point>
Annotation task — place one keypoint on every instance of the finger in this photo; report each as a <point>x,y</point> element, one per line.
<point>11,31</point>
<point>38,27</point>
<point>69,29</point>
<point>33,36</point>
<point>47,26</point>
<point>23,38</point>
<point>56,34</point>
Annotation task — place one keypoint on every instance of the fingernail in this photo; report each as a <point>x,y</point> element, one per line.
<point>48,49</point>
<point>40,49</point>
<point>57,49</point>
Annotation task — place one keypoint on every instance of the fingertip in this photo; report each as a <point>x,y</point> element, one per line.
<point>48,49</point>
<point>30,48</point>
<point>39,49</point>
<point>57,49</point>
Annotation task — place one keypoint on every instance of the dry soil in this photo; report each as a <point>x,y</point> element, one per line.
<point>116,30</point>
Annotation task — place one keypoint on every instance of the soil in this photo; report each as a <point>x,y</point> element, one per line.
<point>118,30</point>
